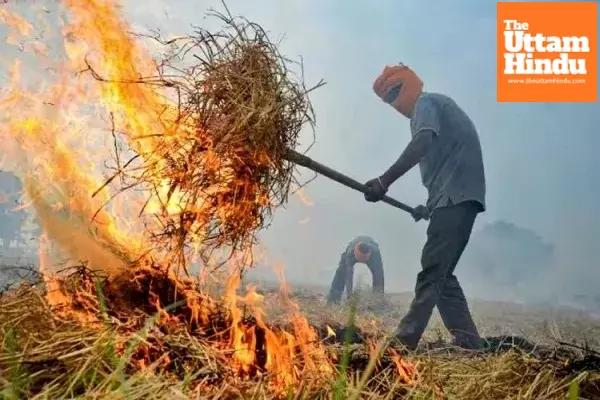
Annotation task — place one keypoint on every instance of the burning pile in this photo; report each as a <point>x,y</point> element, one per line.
<point>199,137</point>
<point>203,135</point>
<point>231,111</point>
<point>217,347</point>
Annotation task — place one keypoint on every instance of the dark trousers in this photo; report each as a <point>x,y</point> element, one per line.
<point>338,285</point>
<point>344,276</point>
<point>447,236</point>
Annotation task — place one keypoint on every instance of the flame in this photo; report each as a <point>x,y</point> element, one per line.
<point>54,294</point>
<point>21,25</point>
<point>287,356</point>
<point>57,147</point>
<point>304,198</point>
<point>171,202</point>
<point>406,370</point>
<point>53,136</point>
<point>279,347</point>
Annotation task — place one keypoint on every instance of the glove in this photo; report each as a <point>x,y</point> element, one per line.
<point>375,190</point>
<point>420,212</point>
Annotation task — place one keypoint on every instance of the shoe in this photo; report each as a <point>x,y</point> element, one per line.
<point>468,344</point>
<point>401,346</point>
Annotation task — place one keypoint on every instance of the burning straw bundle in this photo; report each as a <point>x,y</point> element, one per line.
<point>239,109</point>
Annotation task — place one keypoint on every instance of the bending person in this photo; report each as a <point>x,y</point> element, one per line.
<point>362,249</point>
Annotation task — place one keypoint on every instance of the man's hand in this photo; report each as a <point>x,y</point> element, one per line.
<point>375,190</point>
<point>420,212</point>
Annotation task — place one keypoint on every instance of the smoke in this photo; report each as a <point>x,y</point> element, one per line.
<point>503,260</point>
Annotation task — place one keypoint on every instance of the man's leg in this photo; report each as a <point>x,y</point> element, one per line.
<point>441,249</point>
<point>338,284</point>
<point>376,267</point>
<point>455,313</point>
<point>452,304</point>
<point>377,296</point>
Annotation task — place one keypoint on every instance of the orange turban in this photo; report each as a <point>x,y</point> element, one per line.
<point>400,87</point>
<point>362,253</point>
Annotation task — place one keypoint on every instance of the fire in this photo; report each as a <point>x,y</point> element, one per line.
<point>21,25</point>
<point>59,145</point>
<point>278,348</point>
<point>171,203</point>
<point>55,137</point>
<point>407,371</point>
<point>304,198</point>
<point>54,294</point>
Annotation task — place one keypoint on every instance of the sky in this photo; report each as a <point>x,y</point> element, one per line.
<point>540,158</point>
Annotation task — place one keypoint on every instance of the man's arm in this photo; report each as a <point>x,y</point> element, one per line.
<point>412,154</point>
<point>425,125</point>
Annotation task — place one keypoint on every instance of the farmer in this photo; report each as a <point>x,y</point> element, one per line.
<point>361,249</point>
<point>446,146</point>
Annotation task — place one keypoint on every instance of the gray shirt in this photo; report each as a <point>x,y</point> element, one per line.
<point>452,171</point>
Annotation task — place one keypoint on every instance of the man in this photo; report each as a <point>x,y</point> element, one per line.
<point>446,146</point>
<point>361,249</point>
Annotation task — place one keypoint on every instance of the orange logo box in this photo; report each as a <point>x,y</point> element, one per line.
<point>547,52</point>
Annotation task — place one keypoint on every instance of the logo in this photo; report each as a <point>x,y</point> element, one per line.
<point>547,52</point>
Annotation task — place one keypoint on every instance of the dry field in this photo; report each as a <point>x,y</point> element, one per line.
<point>542,325</point>
<point>139,349</point>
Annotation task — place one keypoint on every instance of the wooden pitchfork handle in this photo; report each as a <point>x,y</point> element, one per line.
<point>321,169</point>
